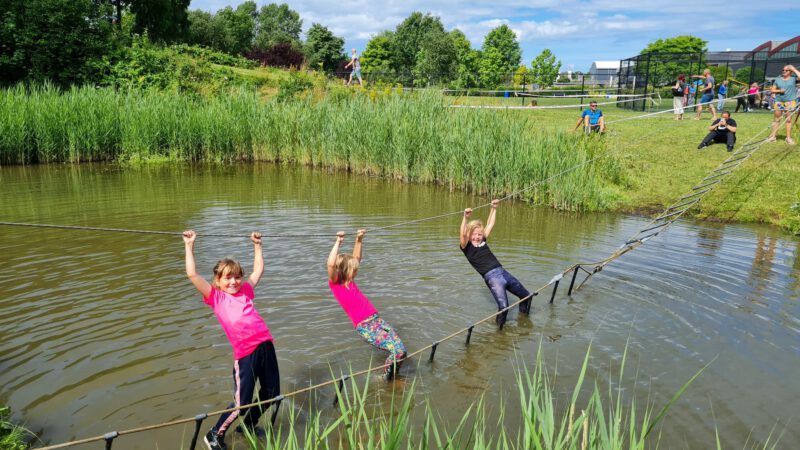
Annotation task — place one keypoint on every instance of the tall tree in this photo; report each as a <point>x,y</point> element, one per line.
<point>239,25</point>
<point>436,59</point>
<point>323,49</point>
<point>409,37</point>
<point>544,68</point>
<point>164,20</point>
<point>278,24</point>
<point>376,60</point>
<point>467,61</point>
<point>669,57</point>
<point>507,55</point>
<point>58,40</point>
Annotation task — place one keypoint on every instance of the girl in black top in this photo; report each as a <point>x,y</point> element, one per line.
<point>473,244</point>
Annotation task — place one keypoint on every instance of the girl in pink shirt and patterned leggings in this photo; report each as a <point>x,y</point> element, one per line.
<point>342,270</point>
<point>254,356</point>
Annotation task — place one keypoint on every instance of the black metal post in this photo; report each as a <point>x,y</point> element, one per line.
<point>572,283</point>
<point>469,333</point>
<point>646,82</point>
<point>583,84</point>
<point>339,389</point>
<point>198,420</point>
<point>109,437</point>
<point>433,351</point>
<point>555,288</point>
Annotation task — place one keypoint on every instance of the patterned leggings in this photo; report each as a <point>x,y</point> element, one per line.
<point>380,334</point>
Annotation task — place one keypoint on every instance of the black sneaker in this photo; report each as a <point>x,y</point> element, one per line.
<point>701,146</point>
<point>730,148</point>
<point>214,441</point>
<point>258,431</point>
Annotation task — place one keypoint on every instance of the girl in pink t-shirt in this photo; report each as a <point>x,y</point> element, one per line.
<point>254,357</point>
<point>342,270</point>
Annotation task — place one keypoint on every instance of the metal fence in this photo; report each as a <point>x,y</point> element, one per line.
<point>655,72</point>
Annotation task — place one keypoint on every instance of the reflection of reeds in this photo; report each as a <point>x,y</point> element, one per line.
<point>605,421</point>
<point>404,136</point>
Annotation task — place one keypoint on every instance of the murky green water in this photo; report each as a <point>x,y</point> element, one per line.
<point>101,331</point>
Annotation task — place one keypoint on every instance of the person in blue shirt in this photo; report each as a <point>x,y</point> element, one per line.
<point>723,90</point>
<point>708,95</point>
<point>784,89</point>
<point>592,119</point>
<point>692,88</point>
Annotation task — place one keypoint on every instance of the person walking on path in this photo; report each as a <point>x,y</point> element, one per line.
<point>784,88</point>
<point>355,62</point>
<point>254,359</point>
<point>473,240</point>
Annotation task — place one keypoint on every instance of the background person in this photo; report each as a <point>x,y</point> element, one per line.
<point>678,96</point>
<point>355,62</point>
<point>721,130</point>
<point>708,94</point>
<point>721,93</point>
<point>741,100</point>
<point>752,95</point>
<point>784,90</point>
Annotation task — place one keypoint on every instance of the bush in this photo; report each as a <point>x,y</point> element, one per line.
<point>279,55</point>
<point>11,436</point>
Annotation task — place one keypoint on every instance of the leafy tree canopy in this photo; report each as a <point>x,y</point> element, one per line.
<point>278,24</point>
<point>164,20</point>
<point>677,44</point>
<point>504,41</point>
<point>324,50</point>
<point>409,37</point>
<point>545,68</point>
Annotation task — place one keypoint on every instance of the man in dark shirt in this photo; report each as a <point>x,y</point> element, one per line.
<point>721,130</point>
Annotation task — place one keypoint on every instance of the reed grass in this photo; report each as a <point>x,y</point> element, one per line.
<point>404,136</point>
<point>590,419</point>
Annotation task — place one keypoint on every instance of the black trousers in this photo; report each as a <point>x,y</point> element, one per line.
<point>261,366</point>
<point>741,102</point>
<point>721,137</point>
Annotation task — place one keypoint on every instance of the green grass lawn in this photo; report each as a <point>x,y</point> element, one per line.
<point>661,161</point>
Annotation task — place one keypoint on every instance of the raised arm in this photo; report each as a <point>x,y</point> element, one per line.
<point>258,259</point>
<point>463,238</point>
<point>199,282</point>
<point>490,221</point>
<point>357,246</point>
<point>334,253</point>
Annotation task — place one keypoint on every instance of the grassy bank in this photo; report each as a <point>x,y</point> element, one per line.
<point>405,136</point>
<point>12,437</point>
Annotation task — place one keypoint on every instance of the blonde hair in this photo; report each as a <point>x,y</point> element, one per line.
<point>344,271</point>
<point>226,266</point>
<point>472,225</point>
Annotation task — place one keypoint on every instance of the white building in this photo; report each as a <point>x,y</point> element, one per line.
<point>604,72</point>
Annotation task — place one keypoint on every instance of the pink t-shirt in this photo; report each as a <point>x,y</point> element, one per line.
<point>242,324</point>
<point>354,303</point>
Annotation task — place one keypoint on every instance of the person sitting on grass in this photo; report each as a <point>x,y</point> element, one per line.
<point>592,120</point>
<point>721,130</point>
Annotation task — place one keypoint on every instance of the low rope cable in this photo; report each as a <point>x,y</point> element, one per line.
<point>577,105</point>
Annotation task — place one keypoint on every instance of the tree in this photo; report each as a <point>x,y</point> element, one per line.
<point>436,59</point>
<point>201,30</point>
<point>376,60</point>
<point>493,68</point>
<point>521,76</point>
<point>670,57</point>
<point>748,75</point>
<point>324,50</point>
<point>409,37</point>
<point>467,60</point>
<point>507,55</point>
<point>239,26</point>
<point>63,41</point>
<point>278,24</point>
<point>164,20</point>
<point>544,68</point>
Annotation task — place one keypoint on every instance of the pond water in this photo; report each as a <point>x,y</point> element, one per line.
<point>101,331</point>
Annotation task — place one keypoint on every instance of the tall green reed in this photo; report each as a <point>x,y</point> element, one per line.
<point>412,137</point>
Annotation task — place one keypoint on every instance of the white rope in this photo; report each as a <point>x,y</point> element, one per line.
<point>549,106</point>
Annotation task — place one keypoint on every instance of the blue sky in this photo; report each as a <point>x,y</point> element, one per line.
<point>578,32</point>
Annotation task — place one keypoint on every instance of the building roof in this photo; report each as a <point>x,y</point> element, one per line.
<point>606,64</point>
